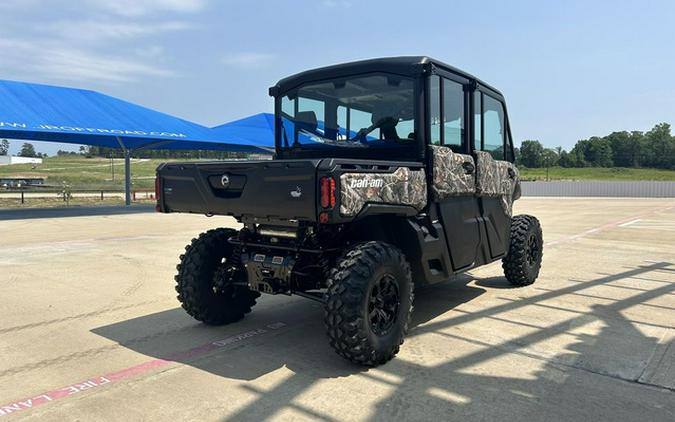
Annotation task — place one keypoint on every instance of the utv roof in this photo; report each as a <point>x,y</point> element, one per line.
<point>404,65</point>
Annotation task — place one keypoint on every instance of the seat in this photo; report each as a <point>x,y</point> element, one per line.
<point>306,120</point>
<point>386,115</point>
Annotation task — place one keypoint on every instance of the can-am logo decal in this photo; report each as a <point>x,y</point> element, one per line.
<point>367,183</point>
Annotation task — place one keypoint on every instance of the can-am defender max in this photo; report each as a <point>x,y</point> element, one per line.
<point>387,173</point>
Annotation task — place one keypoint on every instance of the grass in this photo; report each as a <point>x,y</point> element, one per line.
<point>598,173</point>
<point>87,173</point>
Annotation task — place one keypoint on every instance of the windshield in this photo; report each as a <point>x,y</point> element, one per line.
<point>360,112</point>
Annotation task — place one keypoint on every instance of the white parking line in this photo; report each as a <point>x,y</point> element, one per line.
<point>661,225</point>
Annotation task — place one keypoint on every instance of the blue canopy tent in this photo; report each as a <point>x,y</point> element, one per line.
<point>258,128</point>
<point>57,114</point>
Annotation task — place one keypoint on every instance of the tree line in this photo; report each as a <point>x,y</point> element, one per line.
<point>27,150</point>
<point>655,149</point>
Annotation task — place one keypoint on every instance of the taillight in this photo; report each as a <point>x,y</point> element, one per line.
<point>327,192</point>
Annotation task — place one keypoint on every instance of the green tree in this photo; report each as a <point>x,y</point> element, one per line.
<point>622,146</point>
<point>4,147</point>
<point>659,147</point>
<point>599,152</point>
<point>566,159</point>
<point>550,158</point>
<point>531,154</point>
<point>27,150</point>
<point>577,156</point>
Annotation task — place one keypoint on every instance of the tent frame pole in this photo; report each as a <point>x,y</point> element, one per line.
<point>127,172</point>
<point>127,177</point>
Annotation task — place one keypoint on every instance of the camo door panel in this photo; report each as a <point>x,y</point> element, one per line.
<point>449,177</point>
<point>496,178</point>
<point>402,187</point>
<point>510,180</point>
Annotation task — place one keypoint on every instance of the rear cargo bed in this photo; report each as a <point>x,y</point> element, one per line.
<point>278,189</point>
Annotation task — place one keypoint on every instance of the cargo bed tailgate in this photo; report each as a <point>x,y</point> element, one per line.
<point>278,189</point>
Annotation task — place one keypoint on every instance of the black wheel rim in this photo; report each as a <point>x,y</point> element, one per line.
<point>225,278</point>
<point>383,304</point>
<point>532,250</point>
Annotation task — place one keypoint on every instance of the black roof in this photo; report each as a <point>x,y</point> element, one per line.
<point>403,65</point>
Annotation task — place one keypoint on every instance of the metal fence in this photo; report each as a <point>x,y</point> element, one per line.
<point>25,196</point>
<point>628,189</point>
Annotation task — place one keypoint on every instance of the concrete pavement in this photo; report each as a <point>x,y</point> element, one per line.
<point>91,330</point>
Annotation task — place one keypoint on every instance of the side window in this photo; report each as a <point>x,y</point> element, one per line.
<point>288,106</point>
<point>358,118</point>
<point>453,115</point>
<point>316,106</point>
<point>477,117</point>
<point>342,122</point>
<point>435,109</point>
<point>493,127</point>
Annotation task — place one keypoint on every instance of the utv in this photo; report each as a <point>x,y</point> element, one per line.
<point>387,173</point>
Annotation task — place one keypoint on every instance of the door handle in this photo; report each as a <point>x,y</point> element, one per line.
<point>468,167</point>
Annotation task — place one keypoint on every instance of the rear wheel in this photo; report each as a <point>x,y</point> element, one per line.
<point>523,261</point>
<point>211,283</point>
<point>369,302</point>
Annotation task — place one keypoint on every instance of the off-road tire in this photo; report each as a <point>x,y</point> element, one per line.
<point>195,281</point>
<point>522,263</point>
<point>350,293</point>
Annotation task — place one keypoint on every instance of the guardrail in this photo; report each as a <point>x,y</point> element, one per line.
<point>618,189</point>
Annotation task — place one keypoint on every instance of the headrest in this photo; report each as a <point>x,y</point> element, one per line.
<point>385,109</point>
<point>306,120</point>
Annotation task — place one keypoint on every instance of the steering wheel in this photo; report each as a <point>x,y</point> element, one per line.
<point>361,134</point>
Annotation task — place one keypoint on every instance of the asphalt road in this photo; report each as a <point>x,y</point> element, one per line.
<point>91,330</point>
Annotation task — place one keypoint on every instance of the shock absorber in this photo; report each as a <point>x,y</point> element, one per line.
<point>231,272</point>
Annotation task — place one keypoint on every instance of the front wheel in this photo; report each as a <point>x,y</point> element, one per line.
<point>368,303</point>
<point>211,283</point>
<point>522,263</point>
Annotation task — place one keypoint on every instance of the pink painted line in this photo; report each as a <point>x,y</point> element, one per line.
<point>130,372</point>
<point>603,227</point>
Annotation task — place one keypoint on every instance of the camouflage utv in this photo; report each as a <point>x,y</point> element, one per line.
<point>388,173</point>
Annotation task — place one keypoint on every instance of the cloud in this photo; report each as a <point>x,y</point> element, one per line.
<point>136,8</point>
<point>100,30</point>
<point>247,59</point>
<point>53,61</point>
<point>100,41</point>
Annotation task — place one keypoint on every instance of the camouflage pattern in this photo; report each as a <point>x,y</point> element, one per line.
<point>508,185</point>
<point>402,187</point>
<point>493,179</point>
<point>488,182</point>
<point>449,178</point>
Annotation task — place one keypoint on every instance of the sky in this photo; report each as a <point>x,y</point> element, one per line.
<point>568,69</point>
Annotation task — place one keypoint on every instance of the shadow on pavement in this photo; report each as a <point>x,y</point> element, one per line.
<point>74,211</point>
<point>597,377</point>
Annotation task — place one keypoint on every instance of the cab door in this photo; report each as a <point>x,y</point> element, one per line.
<point>453,187</point>
<point>496,175</point>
